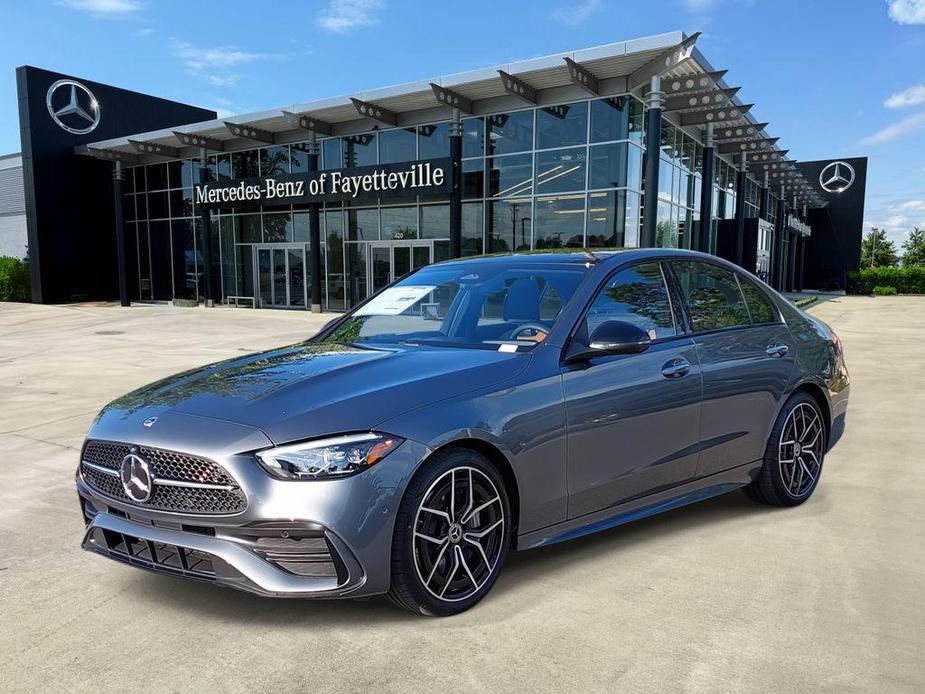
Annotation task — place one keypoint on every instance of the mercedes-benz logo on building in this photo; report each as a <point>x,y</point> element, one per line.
<point>836,177</point>
<point>73,107</point>
<point>136,478</point>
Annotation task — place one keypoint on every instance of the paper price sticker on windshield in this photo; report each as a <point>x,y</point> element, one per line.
<point>395,300</point>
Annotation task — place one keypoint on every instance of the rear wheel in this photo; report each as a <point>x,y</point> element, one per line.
<point>451,535</point>
<point>794,454</point>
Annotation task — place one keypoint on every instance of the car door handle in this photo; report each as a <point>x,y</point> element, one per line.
<point>777,350</point>
<point>676,368</point>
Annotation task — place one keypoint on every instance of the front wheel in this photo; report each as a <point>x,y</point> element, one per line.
<point>451,536</point>
<point>794,454</point>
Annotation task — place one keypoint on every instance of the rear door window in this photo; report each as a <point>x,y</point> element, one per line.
<point>712,295</point>
<point>636,295</point>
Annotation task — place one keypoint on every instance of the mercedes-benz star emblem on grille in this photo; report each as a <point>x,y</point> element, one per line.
<point>136,478</point>
<point>73,107</point>
<point>836,177</point>
<point>149,422</point>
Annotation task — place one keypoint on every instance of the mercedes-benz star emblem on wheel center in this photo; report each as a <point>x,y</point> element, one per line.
<point>836,177</point>
<point>136,477</point>
<point>73,107</point>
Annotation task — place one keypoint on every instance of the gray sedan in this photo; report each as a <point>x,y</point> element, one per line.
<point>473,407</point>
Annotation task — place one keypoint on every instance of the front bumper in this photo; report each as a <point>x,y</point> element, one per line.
<point>321,539</point>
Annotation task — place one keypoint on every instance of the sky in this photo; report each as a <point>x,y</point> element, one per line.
<point>835,78</point>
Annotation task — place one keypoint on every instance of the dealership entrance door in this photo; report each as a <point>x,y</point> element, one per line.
<point>281,276</point>
<point>389,260</point>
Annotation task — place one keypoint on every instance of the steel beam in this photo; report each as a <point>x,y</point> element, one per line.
<point>668,60</point>
<point>250,132</point>
<point>155,149</point>
<point>375,112</point>
<point>724,114</point>
<point>717,97</point>
<point>303,121</point>
<point>452,98</point>
<point>583,77</point>
<point>193,140</point>
<point>517,87</point>
<point>693,84</point>
<point>751,146</point>
<point>106,154</point>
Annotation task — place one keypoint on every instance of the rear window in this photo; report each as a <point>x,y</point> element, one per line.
<point>759,305</point>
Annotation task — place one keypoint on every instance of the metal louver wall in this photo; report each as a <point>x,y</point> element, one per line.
<point>12,199</point>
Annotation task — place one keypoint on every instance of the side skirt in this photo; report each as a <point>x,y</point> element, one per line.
<point>689,493</point>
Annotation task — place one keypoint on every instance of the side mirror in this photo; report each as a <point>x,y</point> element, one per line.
<point>613,337</point>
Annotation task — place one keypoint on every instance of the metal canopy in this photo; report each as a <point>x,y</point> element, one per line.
<point>695,95</point>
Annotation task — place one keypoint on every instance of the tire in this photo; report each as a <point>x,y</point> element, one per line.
<point>799,435</point>
<point>448,547</point>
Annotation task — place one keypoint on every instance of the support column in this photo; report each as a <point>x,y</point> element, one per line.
<point>802,263</point>
<point>314,229</point>
<point>456,194</point>
<point>779,241</point>
<point>741,180</point>
<point>706,191</point>
<point>647,236</point>
<point>117,177</point>
<point>764,203</point>
<point>205,223</point>
<point>791,276</point>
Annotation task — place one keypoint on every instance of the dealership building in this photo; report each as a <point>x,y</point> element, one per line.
<point>317,205</point>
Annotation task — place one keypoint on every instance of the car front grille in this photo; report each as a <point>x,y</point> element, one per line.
<point>182,483</point>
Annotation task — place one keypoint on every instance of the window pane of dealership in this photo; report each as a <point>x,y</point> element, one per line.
<point>559,166</point>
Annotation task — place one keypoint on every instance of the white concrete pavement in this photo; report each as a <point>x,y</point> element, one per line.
<point>720,596</point>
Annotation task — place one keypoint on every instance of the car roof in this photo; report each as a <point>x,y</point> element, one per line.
<point>581,256</point>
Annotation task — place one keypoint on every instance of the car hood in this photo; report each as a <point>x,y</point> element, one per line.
<point>315,389</point>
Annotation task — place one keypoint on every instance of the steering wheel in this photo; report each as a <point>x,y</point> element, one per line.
<point>536,327</point>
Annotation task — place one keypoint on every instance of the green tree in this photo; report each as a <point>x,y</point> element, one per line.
<point>877,250</point>
<point>914,248</point>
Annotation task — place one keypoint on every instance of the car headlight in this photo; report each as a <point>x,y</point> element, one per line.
<point>337,456</point>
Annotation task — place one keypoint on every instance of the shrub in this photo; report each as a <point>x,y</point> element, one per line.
<point>905,280</point>
<point>884,291</point>
<point>15,280</point>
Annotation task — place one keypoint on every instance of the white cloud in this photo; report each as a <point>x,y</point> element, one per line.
<point>910,205</point>
<point>907,11</point>
<point>147,31</point>
<point>574,15</point>
<point>215,65</point>
<point>698,5</point>
<point>900,128</point>
<point>340,16</point>
<point>913,96</point>
<point>103,8</point>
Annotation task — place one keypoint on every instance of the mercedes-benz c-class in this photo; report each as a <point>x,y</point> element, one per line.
<point>471,408</point>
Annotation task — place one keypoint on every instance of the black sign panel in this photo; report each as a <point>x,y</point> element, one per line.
<point>835,245</point>
<point>69,198</point>
<point>430,178</point>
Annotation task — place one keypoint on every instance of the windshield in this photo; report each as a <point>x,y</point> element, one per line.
<point>490,304</point>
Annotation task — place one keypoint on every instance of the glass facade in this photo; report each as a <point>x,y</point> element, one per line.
<point>562,176</point>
